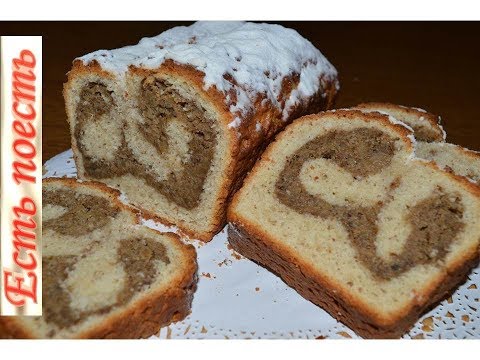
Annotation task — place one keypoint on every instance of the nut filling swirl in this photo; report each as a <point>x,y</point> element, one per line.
<point>84,213</point>
<point>160,105</point>
<point>136,257</point>
<point>434,222</point>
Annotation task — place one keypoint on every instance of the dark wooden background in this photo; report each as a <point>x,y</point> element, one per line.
<point>433,65</point>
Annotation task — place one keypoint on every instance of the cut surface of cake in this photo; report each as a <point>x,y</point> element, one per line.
<point>430,144</point>
<point>104,275</point>
<point>342,210</point>
<point>176,121</point>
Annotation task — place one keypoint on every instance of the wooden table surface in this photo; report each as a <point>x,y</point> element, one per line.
<point>432,65</point>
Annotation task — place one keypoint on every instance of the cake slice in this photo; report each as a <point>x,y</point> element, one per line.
<point>104,275</point>
<point>431,137</point>
<point>340,208</point>
<point>426,126</point>
<point>452,158</point>
<point>176,121</point>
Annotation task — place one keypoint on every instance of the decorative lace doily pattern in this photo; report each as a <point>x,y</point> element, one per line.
<point>237,299</point>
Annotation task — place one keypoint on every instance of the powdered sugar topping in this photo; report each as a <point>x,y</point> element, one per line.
<point>444,133</point>
<point>241,59</point>
<point>419,109</point>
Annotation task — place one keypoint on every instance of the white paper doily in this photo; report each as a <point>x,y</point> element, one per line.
<point>237,299</point>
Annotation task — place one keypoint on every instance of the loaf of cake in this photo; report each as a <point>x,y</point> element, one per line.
<point>340,208</point>
<point>177,120</point>
<point>430,144</point>
<point>104,275</point>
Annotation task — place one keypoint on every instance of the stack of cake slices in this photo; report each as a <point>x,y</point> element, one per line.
<point>366,212</point>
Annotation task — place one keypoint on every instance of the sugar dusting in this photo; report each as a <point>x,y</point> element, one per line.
<point>240,59</point>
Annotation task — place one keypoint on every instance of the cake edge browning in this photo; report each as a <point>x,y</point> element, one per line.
<point>252,242</point>
<point>329,296</point>
<point>147,314</point>
<point>11,329</point>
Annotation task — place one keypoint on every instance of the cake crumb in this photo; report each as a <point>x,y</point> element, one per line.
<point>466,318</point>
<point>449,314</point>
<point>187,330</point>
<point>257,289</point>
<point>204,330</point>
<point>427,324</point>
<point>208,275</point>
<point>225,262</point>
<point>169,333</point>
<point>473,286</point>
<point>233,253</point>
<point>344,334</point>
<point>237,256</point>
<point>418,336</point>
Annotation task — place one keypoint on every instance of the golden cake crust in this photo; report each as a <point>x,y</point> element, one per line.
<point>148,314</point>
<point>251,242</point>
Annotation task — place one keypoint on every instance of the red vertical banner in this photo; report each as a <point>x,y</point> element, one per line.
<point>21,175</point>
